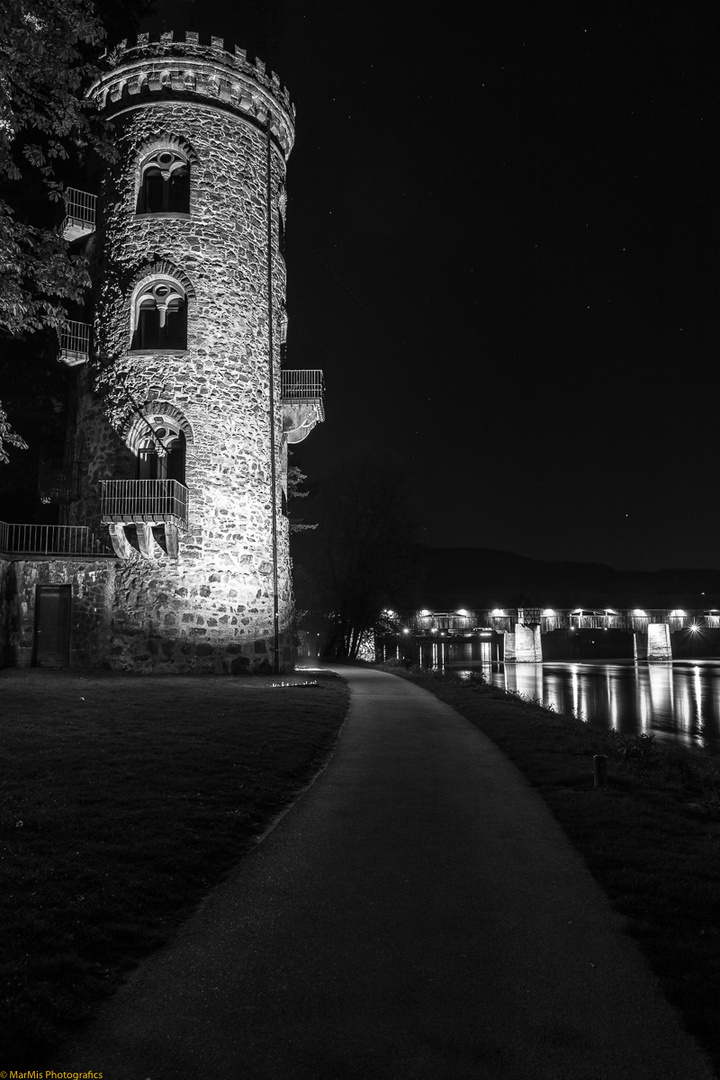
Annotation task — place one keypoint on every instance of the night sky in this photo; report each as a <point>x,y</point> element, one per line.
<point>502,249</point>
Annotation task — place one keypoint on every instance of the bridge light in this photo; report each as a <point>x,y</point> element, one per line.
<point>639,612</point>
<point>463,612</point>
<point>424,613</point>
<point>497,613</point>
<point>548,612</point>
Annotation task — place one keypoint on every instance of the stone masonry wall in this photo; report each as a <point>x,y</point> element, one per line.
<point>213,607</point>
<point>91,610</point>
<point>126,619</point>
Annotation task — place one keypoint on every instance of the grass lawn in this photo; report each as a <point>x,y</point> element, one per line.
<point>651,837</point>
<point>123,801</point>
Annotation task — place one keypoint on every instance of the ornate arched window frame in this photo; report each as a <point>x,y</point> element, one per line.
<point>159,308</point>
<point>158,434</point>
<point>164,178</point>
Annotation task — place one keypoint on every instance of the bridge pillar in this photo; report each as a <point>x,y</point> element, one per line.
<point>659,647</point>
<point>523,645</point>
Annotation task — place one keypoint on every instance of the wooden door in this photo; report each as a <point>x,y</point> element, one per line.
<point>52,625</point>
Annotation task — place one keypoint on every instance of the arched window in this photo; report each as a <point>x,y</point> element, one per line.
<point>164,184</point>
<point>161,453</point>
<point>160,317</point>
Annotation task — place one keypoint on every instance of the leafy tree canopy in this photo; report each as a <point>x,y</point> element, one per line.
<point>49,55</point>
<point>44,121</point>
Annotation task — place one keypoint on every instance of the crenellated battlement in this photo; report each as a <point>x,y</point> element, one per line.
<point>196,71</point>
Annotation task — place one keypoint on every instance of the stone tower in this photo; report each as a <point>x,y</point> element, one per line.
<point>184,411</point>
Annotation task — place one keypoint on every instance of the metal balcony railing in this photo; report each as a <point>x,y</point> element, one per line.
<point>144,502</point>
<point>74,340</point>
<point>80,208</point>
<point>303,388</point>
<point>51,540</point>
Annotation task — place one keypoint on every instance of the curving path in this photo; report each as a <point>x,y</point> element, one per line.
<point>416,915</point>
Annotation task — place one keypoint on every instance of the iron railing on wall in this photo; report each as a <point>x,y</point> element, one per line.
<point>74,339</point>
<point>80,209</point>
<point>150,502</point>
<point>302,386</point>
<point>55,540</point>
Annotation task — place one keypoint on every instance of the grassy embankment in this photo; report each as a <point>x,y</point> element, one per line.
<point>123,802</point>
<point>651,837</point>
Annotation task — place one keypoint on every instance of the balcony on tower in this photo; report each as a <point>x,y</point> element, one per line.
<point>74,343</point>
<point>80,207</point>
<point>302,399</point>
<point>144,502</point>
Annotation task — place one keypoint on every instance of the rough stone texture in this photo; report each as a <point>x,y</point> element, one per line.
<point>212,608</point>
<point>659,647</point>
<point>523,645</point>
<point>120,621</point>
<point>91,609</point>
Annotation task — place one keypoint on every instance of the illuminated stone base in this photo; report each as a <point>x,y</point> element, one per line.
<point>194,620</point>
<point>659,647</point>
<point>523,645</point>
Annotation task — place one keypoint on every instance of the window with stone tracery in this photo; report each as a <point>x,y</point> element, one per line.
<point>161,452</point>
<point>164,184</point>
<point>160,317</point>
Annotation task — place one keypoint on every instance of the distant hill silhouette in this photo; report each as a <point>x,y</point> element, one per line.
<point>486,578</point>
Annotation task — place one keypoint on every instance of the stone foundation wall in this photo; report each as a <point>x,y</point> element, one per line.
<point>91,612</point>
<point>188,618</point>
<point>129,617</point>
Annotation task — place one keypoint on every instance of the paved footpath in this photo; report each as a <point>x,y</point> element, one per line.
<point>416,915</point>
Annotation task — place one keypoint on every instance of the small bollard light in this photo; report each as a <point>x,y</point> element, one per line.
<point>600,770</point>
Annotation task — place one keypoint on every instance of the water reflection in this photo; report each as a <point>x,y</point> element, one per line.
<point>677,701</point>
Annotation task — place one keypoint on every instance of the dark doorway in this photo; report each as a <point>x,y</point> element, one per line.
<point>52,625</point>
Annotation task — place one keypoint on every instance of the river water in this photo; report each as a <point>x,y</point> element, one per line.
<point>677,702</point>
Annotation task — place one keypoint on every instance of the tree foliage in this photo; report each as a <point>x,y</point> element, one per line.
<point>8,436</point>
<point>362,558</point>
<point>48,56</point>
<point>50,52</point>
<point>45,121</point>
<point>295,479</point>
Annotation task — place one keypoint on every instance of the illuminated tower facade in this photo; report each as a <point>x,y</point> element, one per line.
<point>184,410</point>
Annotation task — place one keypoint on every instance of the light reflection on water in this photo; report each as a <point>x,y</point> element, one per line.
<point>678,702</point>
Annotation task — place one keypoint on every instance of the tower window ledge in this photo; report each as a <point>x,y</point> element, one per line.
<point>163,214</point>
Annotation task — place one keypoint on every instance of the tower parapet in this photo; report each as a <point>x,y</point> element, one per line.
<point>199,72</point>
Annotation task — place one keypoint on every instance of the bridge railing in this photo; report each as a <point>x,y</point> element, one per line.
<point>427,623</point>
